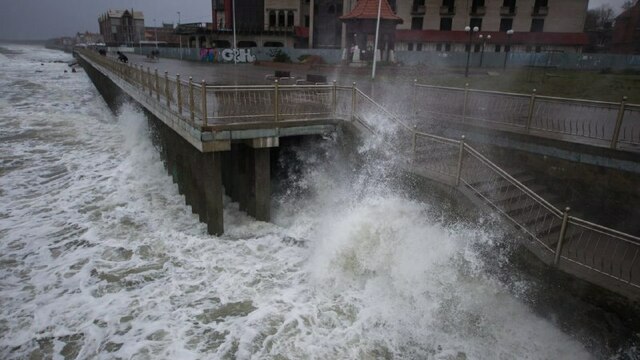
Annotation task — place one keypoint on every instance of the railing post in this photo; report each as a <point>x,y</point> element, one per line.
<point>532,105</point>
<point>149,81</point>
<point>166,88</point>
<point>616,131</point>
<point>276,100</point>
<point>157,85</point>
<point>415,97</point>
<point>204,103</point>
<point>179,93</point>
<point>334,98</point>
<point>563,231</point>
<point>353,101</point>
<point>464,103</point>
<point>460,157</point>
<point>414,141</point>
<point>192,111</point>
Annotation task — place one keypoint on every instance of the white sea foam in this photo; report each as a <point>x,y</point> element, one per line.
<point>100,258</point>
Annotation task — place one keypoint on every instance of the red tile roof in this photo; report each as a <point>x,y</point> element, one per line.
<point>534,38</point>
<point>368,9</point>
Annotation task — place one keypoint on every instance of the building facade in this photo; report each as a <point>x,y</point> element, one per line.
<point>537,25</point>
<point>427,25</point>
<point>122,27</point>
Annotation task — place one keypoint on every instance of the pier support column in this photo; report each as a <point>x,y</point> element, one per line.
<point>258,183</point>
<point>213,192</point>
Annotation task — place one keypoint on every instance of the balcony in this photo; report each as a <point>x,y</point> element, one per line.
<point>418,10</point>
<point>447,10</point>
<point>508,11</point>
<point>540,11</point>
<point>478,11</point>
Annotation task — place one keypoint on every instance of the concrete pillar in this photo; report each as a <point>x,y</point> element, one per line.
<point>311,20</point>
<point>213,192</point>
<point>260,200</point>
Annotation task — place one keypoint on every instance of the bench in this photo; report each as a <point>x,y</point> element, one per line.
<point>283,77</point>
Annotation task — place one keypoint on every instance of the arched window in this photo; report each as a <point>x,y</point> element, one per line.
<point>272,18</point>
<point>281,18</point>
<point>290,19</point>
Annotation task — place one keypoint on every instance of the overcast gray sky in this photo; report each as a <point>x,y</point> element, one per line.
<point>43,19</point>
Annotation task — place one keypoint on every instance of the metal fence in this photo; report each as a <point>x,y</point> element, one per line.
<point>600,123</point>
<point>567,240</point>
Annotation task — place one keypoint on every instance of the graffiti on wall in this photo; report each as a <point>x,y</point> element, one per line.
<point>226,55</point>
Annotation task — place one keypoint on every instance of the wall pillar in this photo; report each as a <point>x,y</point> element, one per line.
<point>213,192</point>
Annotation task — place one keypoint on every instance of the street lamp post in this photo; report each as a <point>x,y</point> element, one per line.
<point>179,35</point>
<point>375,46</point>
<point>484,40</point>
<point>470,31</point>
<point>507,48</point>
<point>155,30</point>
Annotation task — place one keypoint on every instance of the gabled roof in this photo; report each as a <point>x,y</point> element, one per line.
<point>368,9</point>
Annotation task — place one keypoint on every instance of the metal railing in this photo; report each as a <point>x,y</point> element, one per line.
<point>567,239</point>
<point>601,123</point>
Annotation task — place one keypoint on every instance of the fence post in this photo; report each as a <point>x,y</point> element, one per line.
<point>166,88</point>
<point>276,100</point>
<point>563,231</point>
<point>464,103</point>
<point>179,93</point>
<point>204,103</point>
<point>353,101</point>
<point>413,143</point>
<point>532,105</point>
<point>157,85</point>
<point>149,81</point>
<point>192,110</point>
<point>460,156</point>
<point>616,131</point>
<point>415,97</point>
<point>334,98</point>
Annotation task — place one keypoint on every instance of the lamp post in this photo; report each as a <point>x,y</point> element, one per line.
<point>155,30</point>
<point>179,35</point>
<point>470,31</point>
<point>375,46</point>
<point>507,48</point>
<point>484,39</point>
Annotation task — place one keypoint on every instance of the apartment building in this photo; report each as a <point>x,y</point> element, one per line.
<point>513,25</point>
<point>122,27</point>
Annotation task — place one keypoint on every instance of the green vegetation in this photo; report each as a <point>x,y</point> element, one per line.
<point>281,56</point>
<point>591,85</point>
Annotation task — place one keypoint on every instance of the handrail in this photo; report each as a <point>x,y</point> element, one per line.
<point>513,180</point>
<point>521,94</point>
<point>605,230</point>
<point>385,111</point>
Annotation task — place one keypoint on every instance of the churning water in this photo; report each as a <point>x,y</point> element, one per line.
<point>100,257</point>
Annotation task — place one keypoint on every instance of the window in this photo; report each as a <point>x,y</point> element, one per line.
<point>446,24</point>
<point>272,18</point>
<point>498,48</point>
<point>537,25</point>
<point>290,18</point>
<point>438,47</point>
<point>507,48</point>
<point>416,23</point>
<point>281,18</point>
<point>332,9</point>
<point>410,47</point>
<point>306,20</point>
<point>476,48</point>
<point>467,48</point>
<point>247,44</point>
<point>447,47</point>
<point>506,24</point>
<point>538,49</point>
<point>528,48</point>
<point>419,47</point>
<point>475,22</point>
<point>273,44</point>
<point>540,3</point>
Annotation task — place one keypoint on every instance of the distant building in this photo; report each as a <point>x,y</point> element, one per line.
<point>538,25</point>
<point>626,31</point>
<point>88,38</point>
<point>122,27</point>
<point>164,34</point>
